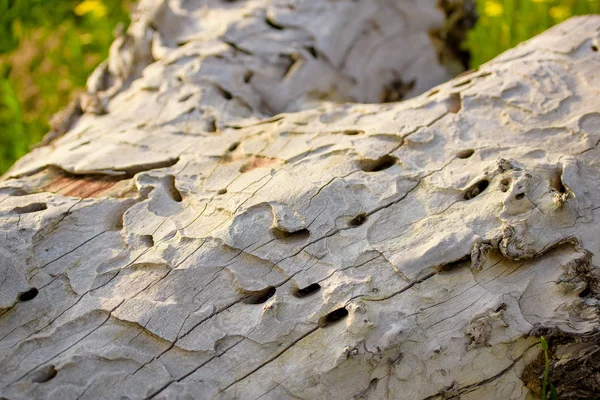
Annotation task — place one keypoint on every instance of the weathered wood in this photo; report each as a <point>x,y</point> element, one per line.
<point>181,241</point>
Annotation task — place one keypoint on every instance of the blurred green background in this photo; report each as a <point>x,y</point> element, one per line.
<point>48,48</point>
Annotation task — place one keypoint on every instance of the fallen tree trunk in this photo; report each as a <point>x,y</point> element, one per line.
<point>175,243</point>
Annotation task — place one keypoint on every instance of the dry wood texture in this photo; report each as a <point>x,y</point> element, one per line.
<point>209,223</point>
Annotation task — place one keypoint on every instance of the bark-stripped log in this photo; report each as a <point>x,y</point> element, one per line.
<point>179,246</point>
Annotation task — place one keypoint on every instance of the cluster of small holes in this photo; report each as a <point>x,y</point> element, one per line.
<point>504,185</point>
<point>28,295</point>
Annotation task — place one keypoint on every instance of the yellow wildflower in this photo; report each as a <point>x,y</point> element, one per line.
<point>493,8</point>
<point>559,12</point>
<point>96,7</point>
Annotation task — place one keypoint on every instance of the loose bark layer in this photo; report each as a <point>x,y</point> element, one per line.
<point>181,241</point>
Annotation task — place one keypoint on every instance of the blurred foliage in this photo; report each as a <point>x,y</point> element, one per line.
<point>48,48</point>
<point>504,24</point>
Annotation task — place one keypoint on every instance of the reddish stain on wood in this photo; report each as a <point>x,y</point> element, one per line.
<point>260,162</point>
<point>89,186</point>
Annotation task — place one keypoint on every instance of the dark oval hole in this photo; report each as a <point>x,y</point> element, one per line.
<point>557,183</point>
<point>273,24</point>
<point>380,164</point>
<point>302,234</point>
<point>260,296</point>
<point>30,208</point>
<point>44,374</point>
<point>465,153</point>
<point>352,133</point>
<point>312,51</point>
<point>172,190</point>
<point>476,189</point>
<point>520,196</point>
<point>358,220</point>
<point>594,47</point>
<point>585,292</point>
<point>211,125</point>
<point>222,191</point>
<point>226,94</point>
<point>455,265</point>
<point>333,317</point>
<point>233,146</point>
<point>148,240</point>
<point>307,291</point>
<point>248,76</point>
<point>463,83</point>
<point>184,97</point>
<point>28,295</point>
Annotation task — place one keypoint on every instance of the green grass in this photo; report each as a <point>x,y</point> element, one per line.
<point>48,48</point>
<point>504,24</point>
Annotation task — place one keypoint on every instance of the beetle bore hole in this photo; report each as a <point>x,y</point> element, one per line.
<point>594,47</point>
<point>28,295</point>
<point>504,185</point>
<point>227,95</point>
<point>454,265</point>
<point>476,189</point>
<point>520,196</point>
<point>465,153</point>
<point>222,191</point>
<point>585,292</point>
<point>307,291</point>
<point>302,234</point>
<point>333,317</point>
<point>147,240</point>
<point>273,24</point>
<point>312,51</point>
<point>30,208</point>
<point>557,183</point>
<point>233,146</point>
<point>380,164</point>
<point>260,296</point>
<point>44,374</point>
<point>358,220</point>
